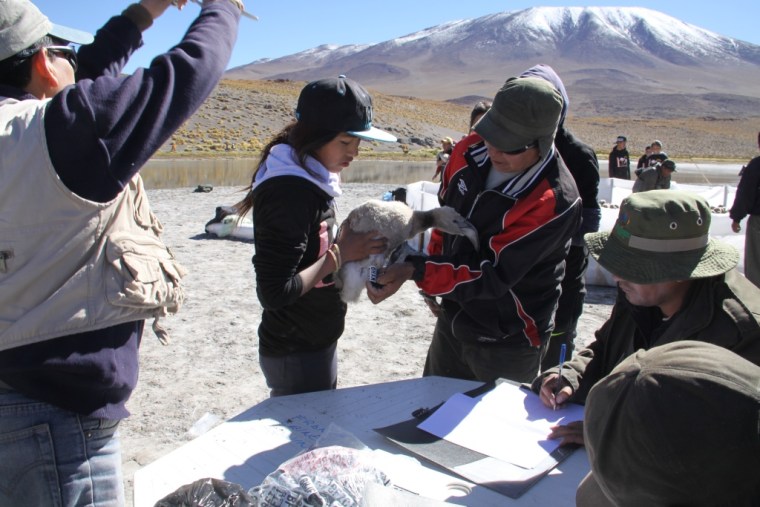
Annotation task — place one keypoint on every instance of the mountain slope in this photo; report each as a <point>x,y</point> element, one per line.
<point>604,54</point>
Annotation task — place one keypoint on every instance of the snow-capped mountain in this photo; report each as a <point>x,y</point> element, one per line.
<point>604,53</point>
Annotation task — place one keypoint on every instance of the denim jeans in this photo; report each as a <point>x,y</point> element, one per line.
<point>52,457</point>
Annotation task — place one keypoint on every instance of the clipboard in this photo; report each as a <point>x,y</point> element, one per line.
<point>492,473</point>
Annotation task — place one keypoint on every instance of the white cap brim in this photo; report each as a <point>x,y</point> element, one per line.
<point>375,134</point>
<point>71,34</point>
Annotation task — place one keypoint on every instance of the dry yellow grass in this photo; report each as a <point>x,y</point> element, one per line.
<point>697,139</point>
<point>241,116</point>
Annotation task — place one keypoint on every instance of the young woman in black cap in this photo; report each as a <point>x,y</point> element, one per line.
<point>292,196</point>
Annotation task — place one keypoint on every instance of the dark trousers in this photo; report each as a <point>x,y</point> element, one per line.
<point>569,308</point>
<point>752,250</point>
<point>450,357</point>
<point>302,372</point>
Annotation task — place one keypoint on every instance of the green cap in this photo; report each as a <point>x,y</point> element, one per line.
<point>525,110</point>
<point>662,236</point>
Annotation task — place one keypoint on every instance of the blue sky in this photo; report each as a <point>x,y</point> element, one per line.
<point>287,27</point>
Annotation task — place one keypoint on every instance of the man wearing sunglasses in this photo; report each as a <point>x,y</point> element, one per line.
<point>81,261</point>
<point>497,302</point>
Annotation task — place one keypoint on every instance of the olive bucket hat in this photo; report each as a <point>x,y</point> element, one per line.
<point>662,236</point>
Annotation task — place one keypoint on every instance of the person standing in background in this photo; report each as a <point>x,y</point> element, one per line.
<point>620,160</point>
<point>657,156</point>
<point>643,159</point>
<point>583,165</point>
<point>747,202</point>
<point>81,261</point>
<point>442,158</point>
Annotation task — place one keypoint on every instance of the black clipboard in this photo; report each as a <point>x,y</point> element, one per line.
<point>492,473</point>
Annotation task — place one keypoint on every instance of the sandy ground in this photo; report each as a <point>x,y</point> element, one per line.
<point>210,370</point>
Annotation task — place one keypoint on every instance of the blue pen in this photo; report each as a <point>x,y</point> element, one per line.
<point>562,352</point>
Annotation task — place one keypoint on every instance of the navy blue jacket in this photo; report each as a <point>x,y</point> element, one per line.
<point>100,132</point>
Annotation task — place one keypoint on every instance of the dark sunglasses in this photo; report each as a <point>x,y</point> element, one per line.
<point>521,150</point>
<point>66,52</point>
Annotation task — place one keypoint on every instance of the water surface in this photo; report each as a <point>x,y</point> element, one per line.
<point>178,173</point>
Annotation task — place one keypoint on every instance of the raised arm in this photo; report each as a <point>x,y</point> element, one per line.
<point>118,122</point>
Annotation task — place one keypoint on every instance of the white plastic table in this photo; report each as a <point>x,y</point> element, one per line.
<point>246,448</point>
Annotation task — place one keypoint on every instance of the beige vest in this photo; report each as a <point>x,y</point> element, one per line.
<point>69,265</point>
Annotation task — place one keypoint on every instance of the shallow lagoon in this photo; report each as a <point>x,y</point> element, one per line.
<point>178,173</point>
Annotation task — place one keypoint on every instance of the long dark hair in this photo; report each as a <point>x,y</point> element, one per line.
<point>304,138</point>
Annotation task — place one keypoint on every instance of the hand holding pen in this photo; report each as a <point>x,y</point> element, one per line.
<point>554,390</point>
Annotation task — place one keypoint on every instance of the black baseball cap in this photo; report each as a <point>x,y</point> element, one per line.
<point>341,105</point>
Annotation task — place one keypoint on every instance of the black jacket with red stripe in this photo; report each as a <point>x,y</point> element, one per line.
<point>506,293</point>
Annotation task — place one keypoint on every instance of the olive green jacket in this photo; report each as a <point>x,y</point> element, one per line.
<point>724,310</point>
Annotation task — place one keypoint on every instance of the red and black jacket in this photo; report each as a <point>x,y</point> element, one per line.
<point>505,293</point>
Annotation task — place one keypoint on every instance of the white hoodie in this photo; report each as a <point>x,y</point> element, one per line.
<point>282,161</point>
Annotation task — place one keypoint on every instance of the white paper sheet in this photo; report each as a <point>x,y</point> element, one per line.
<point>508,423</point>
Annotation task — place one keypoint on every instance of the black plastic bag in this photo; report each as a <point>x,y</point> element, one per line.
<point>208,493</point>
